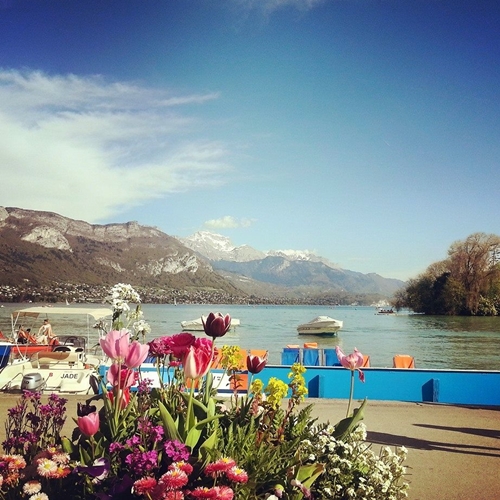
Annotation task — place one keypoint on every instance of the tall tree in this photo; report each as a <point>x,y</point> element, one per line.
<point>474,263</point>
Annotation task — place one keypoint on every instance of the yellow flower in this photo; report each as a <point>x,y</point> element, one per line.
<point>231,358</point>
<point>256,386</point>
<point>276,390</point>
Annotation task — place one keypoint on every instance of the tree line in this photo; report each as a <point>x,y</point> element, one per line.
<point>467,282</point>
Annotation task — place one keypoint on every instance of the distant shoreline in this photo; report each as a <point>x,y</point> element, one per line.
<point>95,294</point>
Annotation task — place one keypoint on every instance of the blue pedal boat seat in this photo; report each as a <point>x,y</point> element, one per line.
<point>310,357</point>
<point>331,358</point>
<point>290,355</point>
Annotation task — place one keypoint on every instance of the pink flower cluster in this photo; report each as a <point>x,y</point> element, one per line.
<point>170,485</point>
<point>195,353</point>
<point>51,463</point>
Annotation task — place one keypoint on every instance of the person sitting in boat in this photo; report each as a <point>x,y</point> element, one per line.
<point>25,337</point>
<point>45,334</point>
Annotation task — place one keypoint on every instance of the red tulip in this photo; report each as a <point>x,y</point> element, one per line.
<point>119,376</point>
<point>216,325</point>
<point>352,362</point>
<point>123,397</point>
<point>256,364</point>
<point>89,424</point>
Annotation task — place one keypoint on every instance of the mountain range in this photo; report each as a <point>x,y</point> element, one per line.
<point>285,268</point>
<point>42,248</point>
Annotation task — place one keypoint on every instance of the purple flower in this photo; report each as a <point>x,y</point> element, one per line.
<point>82,410</point>
<point>176,450</point>
<point>98,470</point>
<point>116,447</point>
<point>141,462</point>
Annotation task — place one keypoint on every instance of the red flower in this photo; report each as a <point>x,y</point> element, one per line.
<point>180,343</point>
<point>123,396</point>
<point>174,479</point>
<point>221,465</point>
<point>224,493</point>
<point>121,377</point>
<point>216,325</point>
<point>237,475</point>
<point>202,492</point>
<point>256,364</point>
<point>144,486</point>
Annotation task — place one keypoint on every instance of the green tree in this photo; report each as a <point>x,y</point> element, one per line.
<point>467,282</point>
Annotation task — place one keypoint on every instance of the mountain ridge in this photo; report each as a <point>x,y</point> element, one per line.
<point>41,248</point>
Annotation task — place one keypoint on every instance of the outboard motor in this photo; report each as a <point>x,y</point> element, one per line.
<point>32,382</point>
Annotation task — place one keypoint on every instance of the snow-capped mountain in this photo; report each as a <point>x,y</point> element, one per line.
<point>284,268</point>
<point>301,255</point>
<point>217,247</point>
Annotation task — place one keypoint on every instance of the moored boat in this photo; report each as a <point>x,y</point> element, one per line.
<point>321,325</point>
<point>64,368</point>
<point>385,312</point>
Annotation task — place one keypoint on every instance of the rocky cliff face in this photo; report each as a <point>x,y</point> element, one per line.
<point>40,247</point>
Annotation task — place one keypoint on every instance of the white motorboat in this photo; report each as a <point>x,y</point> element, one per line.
<point>322,325</point>
<point>196,325</point>
<point>64,368</point>
<point>385,312</point>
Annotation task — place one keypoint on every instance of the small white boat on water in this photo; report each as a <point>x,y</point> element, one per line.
<point>65,368</point>
<point>322,325</point>
<point>196,325</point>
<point>381,311</point>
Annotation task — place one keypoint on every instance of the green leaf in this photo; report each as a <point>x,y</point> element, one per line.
<point>206,448</point>
<point>193,437</point>
<point>168,423</point>
<point>67,445</point>
<point>347,425</point>
<point>307,474</point>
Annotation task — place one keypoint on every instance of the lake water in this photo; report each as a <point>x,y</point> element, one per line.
<point>434,341</point>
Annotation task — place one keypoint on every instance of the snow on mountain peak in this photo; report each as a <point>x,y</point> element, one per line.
<point>218,247</point>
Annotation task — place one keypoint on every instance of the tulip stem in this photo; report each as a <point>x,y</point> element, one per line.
<point>351,393</point>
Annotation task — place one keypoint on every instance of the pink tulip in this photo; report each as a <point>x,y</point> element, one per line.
<point>216,325</point>
<point>137,353</point>
<point>197,361</point>
<point>352,361</point>
<point>255,364</point>
<point>89,424</point>
<point>116,345</point>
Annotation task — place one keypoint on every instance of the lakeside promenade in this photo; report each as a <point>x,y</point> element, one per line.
<point>453,451</point>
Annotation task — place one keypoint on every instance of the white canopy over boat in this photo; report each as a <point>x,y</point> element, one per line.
<point>321,325</point>
<point>33,312</point>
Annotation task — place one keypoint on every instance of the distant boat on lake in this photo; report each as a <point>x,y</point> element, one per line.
<point>321,325</point>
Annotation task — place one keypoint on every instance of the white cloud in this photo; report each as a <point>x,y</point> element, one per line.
<point>86,148</point>
<point>228,222</point>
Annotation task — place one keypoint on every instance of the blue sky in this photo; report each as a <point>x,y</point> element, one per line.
<point>365,131</point>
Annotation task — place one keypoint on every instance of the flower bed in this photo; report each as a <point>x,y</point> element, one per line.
<point>180,441</point>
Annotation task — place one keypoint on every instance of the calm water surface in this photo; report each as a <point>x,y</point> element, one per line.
<point>434,341</point>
